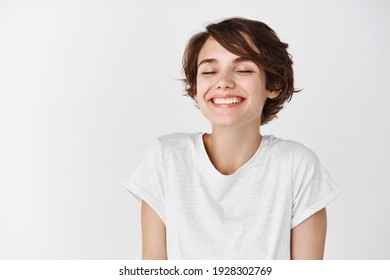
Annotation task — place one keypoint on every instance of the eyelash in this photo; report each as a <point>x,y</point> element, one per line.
<point>212,72</point>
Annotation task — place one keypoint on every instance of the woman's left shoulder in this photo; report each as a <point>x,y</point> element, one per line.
<point>291,147</point>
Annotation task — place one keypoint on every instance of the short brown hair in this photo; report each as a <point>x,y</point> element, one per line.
<point>273,58</point>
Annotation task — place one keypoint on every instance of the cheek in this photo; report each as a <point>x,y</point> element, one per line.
<point>258,88</point>
<point>259,85</point>
<point>201,87</point>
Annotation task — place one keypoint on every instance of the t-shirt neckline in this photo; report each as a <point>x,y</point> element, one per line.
<point>246,166</point>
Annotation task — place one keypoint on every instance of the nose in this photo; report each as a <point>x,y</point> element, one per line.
<point>224,81</point>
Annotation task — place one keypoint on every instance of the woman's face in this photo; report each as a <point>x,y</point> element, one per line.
<point>230,90</point>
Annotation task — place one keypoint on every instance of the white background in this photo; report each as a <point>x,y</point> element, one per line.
<point>85,86</point>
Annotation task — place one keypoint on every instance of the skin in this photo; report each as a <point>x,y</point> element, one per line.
<point>308,238</point>
<point>230,126</point>
<point>234,139</point>
<point>153,234</point>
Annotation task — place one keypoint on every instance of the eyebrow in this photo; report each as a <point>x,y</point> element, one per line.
<point>213,60</point>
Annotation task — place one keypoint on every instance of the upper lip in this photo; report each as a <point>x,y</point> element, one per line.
<point>226,96</point>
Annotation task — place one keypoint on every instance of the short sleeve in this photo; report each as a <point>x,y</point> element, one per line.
<point>313,188</point>
<point>147,181</point>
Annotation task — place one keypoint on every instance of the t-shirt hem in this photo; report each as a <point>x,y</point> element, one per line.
<point>317,207</point>
<point>140,194</point>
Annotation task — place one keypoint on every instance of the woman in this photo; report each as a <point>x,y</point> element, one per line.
<point>233,193</point>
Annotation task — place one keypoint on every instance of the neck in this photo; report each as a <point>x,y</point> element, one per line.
<point>230,148</point>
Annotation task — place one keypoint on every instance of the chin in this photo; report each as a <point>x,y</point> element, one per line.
<point>224,123</point>
<point>224,120</point>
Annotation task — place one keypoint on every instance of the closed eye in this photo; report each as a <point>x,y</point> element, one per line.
<point>208,73</point>
<point>245,71</point>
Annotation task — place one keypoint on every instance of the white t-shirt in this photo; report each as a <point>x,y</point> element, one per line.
<point>246,215</point>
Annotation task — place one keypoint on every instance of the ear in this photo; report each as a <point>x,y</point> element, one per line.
<point>271,94</point>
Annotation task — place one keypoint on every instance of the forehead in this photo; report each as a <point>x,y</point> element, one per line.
<point>212,49</point>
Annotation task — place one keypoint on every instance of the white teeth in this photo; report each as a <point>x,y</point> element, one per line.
<point>230,100</point>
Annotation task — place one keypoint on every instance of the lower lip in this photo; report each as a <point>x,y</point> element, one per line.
<point>233,105</point>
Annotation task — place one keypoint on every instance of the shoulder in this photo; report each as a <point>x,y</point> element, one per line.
<point>178,144</point>
<point>166,144</point>
<point>177,139</point>
<point>290,148</point>
<point>176,136</point>
<point>304,161</point>
<point>294,153</point>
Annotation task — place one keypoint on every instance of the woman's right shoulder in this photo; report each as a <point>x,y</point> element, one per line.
<point>177,139</point>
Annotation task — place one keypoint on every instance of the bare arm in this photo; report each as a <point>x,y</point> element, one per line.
<point>308,238</point>
<point>153,234</point>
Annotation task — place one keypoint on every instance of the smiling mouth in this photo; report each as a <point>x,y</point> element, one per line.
<point>227,101</point>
